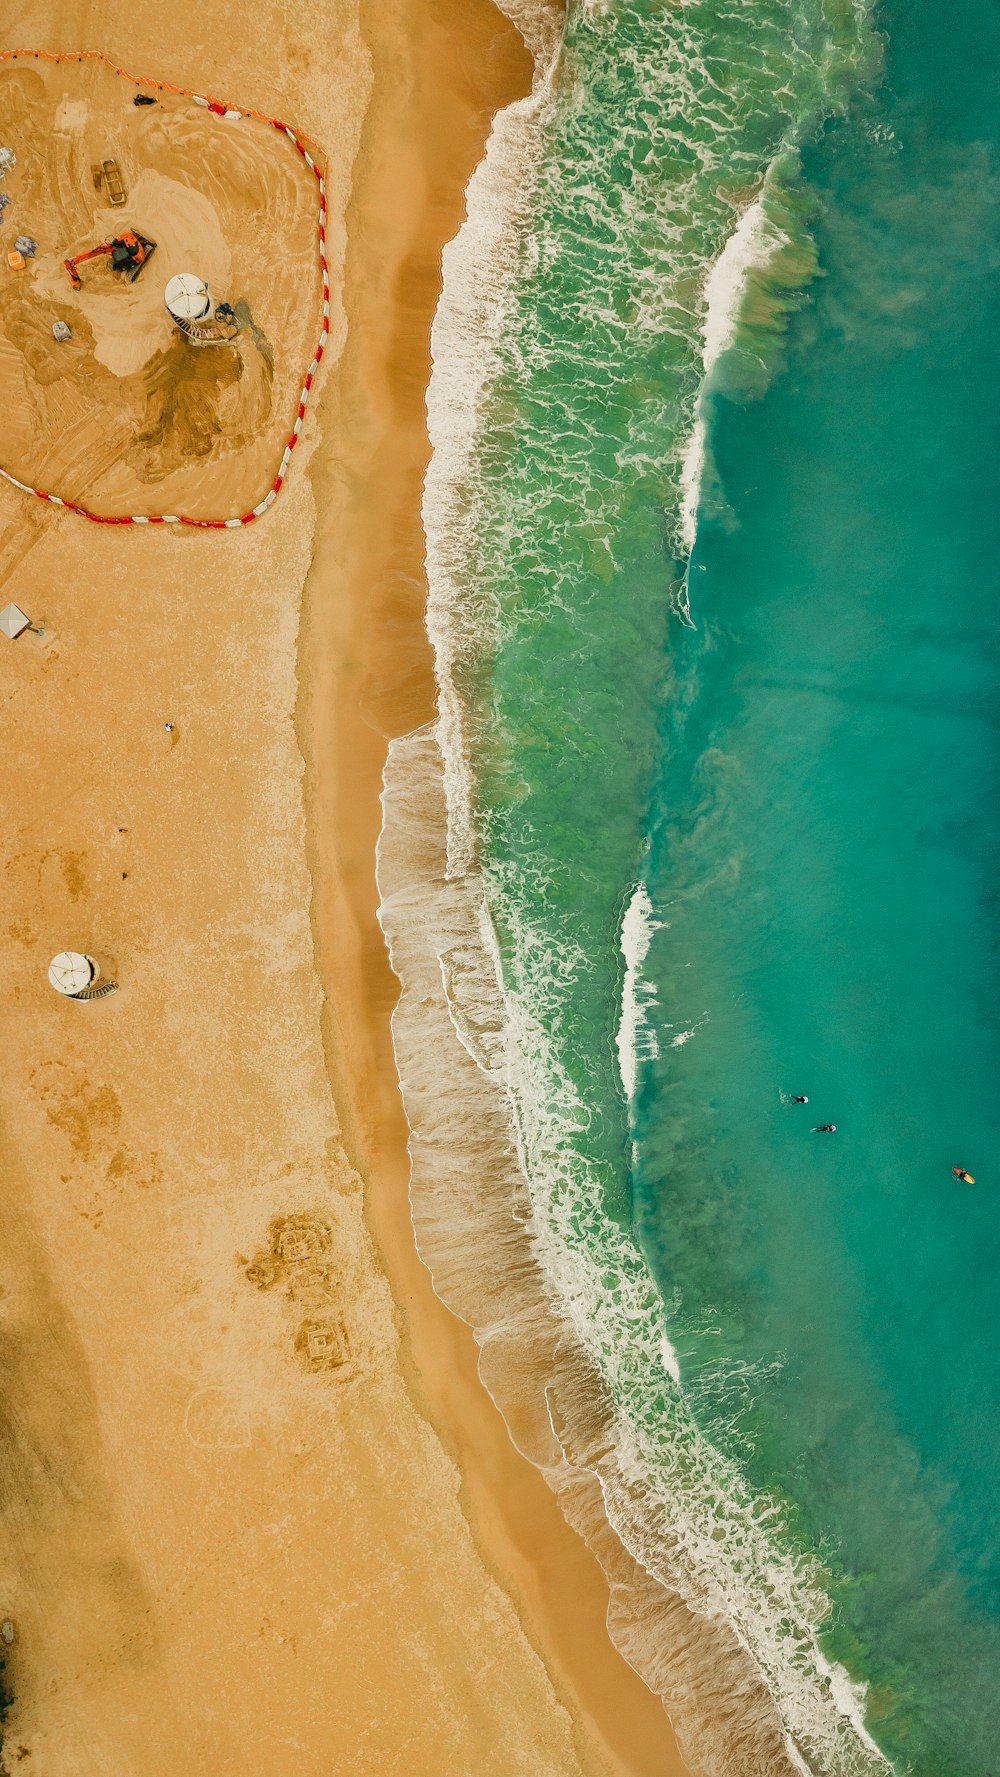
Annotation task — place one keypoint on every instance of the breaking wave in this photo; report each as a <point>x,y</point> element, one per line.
<point>636,1039</point>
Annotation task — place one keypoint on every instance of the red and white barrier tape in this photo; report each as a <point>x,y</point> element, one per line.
<point>315,162</point>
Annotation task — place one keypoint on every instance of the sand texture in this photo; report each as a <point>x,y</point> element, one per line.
<point>256,1513</point>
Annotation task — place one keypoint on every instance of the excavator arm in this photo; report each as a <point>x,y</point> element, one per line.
<point>81,259</point>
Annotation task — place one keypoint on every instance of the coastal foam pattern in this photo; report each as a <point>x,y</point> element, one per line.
<point>635,240</point>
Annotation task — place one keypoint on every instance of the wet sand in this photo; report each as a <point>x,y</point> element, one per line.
<point>372,679</point>
<point>256,1512</point>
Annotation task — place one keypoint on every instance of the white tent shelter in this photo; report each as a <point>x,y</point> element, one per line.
<point>187,297</point>
<point>71,971</point>
<point>13,620</point>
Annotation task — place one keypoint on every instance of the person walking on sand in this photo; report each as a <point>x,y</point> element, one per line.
<point>825,1129</point>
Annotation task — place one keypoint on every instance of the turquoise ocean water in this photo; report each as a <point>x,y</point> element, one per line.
<point>724,630</point>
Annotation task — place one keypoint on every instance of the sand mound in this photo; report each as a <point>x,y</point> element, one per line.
<point>128,416</point>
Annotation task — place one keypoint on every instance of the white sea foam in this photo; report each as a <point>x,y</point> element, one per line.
<point>636,1038</point>
<point>479,271</point>
<point>670,1361</point>
<point>709,1601</point>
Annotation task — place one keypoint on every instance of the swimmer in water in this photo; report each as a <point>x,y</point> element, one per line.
<point>802,1100</point>
<point>825,1129</point>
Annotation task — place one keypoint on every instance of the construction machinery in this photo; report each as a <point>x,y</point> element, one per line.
<point>128,252</point>
<point>107,172</point>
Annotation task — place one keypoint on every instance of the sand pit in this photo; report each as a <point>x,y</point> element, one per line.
<point>128,417</point>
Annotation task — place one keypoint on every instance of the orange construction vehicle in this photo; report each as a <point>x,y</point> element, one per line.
<point>129,253</point>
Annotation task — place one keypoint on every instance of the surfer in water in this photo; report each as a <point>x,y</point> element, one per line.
<point>966,1177</point>
<point>825,1129</point>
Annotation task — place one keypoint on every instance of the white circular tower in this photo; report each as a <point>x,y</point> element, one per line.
<point>71,972</point>
<point>187,297</point>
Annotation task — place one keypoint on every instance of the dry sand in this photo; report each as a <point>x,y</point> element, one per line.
<point>256,1513</point>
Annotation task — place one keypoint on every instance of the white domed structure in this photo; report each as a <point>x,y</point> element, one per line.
<point>187,297</point>
<point>71,972</point>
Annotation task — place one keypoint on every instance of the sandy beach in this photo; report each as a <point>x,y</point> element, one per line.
<point>257,1512</point>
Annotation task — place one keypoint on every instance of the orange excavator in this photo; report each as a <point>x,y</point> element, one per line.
<point>129,253</point>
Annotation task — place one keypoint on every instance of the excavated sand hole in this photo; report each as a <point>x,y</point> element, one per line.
<point>128,416</point>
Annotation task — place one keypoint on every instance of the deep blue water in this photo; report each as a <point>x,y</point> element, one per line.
<point>825,862</point>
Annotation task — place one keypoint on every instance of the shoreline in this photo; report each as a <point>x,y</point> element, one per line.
<point>351,706</point>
